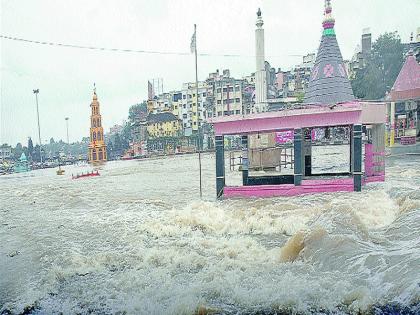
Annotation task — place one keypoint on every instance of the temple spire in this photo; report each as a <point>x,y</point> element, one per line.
<point>328,83</point>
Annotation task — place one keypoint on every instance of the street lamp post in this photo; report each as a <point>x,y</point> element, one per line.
<point>39,128</point>
<point>67,126</point>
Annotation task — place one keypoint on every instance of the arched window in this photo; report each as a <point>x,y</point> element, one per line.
<point>99,136</point>
<point>100,155</point>
<point>98,123</point>
<point>94,136</point>
<point>94,123</point>
<point>94,155</point>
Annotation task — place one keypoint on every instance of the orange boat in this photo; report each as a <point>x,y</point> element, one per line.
<point>85,175</point>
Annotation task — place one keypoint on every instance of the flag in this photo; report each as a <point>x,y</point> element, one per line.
<point>193,41</point>
<point>150,93</point>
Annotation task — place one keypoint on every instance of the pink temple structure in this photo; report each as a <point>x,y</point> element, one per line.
<point>329,103</point>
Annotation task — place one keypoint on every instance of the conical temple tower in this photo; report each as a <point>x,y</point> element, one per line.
<point>328,83</point>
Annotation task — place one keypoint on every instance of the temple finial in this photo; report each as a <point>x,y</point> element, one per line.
<point>328,22</point>
<point>95,97</point>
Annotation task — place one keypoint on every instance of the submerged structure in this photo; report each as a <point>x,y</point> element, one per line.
<point>22,165</point>
<point>329,103</point>
<point>97,146</point>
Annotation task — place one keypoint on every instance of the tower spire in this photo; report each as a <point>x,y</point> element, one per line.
<point>95,97</point>
<point>260,73</point>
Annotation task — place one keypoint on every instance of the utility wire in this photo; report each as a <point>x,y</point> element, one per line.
<point>155,52</point>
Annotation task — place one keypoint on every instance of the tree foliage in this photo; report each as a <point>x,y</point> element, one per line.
<point>137,111</point>
<point>381,68</point>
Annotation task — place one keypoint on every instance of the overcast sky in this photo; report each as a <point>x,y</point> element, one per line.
<point>65,76</point>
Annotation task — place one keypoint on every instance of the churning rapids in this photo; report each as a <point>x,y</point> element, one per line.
<point>139,240</point>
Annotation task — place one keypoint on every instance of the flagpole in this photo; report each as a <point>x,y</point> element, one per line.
<point>198,111</point>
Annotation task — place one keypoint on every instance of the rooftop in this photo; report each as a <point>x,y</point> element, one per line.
<point>161,117</point>
<point>407,84</point>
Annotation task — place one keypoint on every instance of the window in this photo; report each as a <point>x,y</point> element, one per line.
<point>219,113</point>
<point>184,106</point>
<point>224,89</point>
<point>219,90</point>
<point>237,88</point>
<point>219,102</point>
<point>94,137</point>
<point>230,88</point>
<point>193,94</point>
<point>204,94</point>
<point>189,96</point>
<point>238,112</point>
<point>184,96</point>
<point>195,123</point>
<point>237,100</point>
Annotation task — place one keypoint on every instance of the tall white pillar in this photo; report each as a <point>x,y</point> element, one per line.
<point>260,74</point>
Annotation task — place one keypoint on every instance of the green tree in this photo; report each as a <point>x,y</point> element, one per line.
<point>17,152</point>
<point>136,111</point>
<point>30,148</point>
<point>381,68</point>
<point>300,96</point>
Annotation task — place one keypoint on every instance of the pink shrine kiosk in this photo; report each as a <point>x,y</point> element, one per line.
<point>328,103</point>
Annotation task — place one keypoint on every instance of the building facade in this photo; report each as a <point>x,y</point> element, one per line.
<point>5,152</point>
<point>163,125</point>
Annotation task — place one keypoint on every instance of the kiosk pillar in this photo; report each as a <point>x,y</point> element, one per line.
<point>244,140</point>
<point>357,156</point>
<point>297,147</point>
<point>307,152</point>
<point>220,165</point>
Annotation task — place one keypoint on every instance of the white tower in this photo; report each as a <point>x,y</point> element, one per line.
<point>260,74</point>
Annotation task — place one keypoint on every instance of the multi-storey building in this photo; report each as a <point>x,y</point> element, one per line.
<point>185,105</point>
<point>362,53</point>
<point>5,152</point>
<point>227,95</point>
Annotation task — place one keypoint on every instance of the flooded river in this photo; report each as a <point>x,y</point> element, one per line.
<point>139,240</point>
